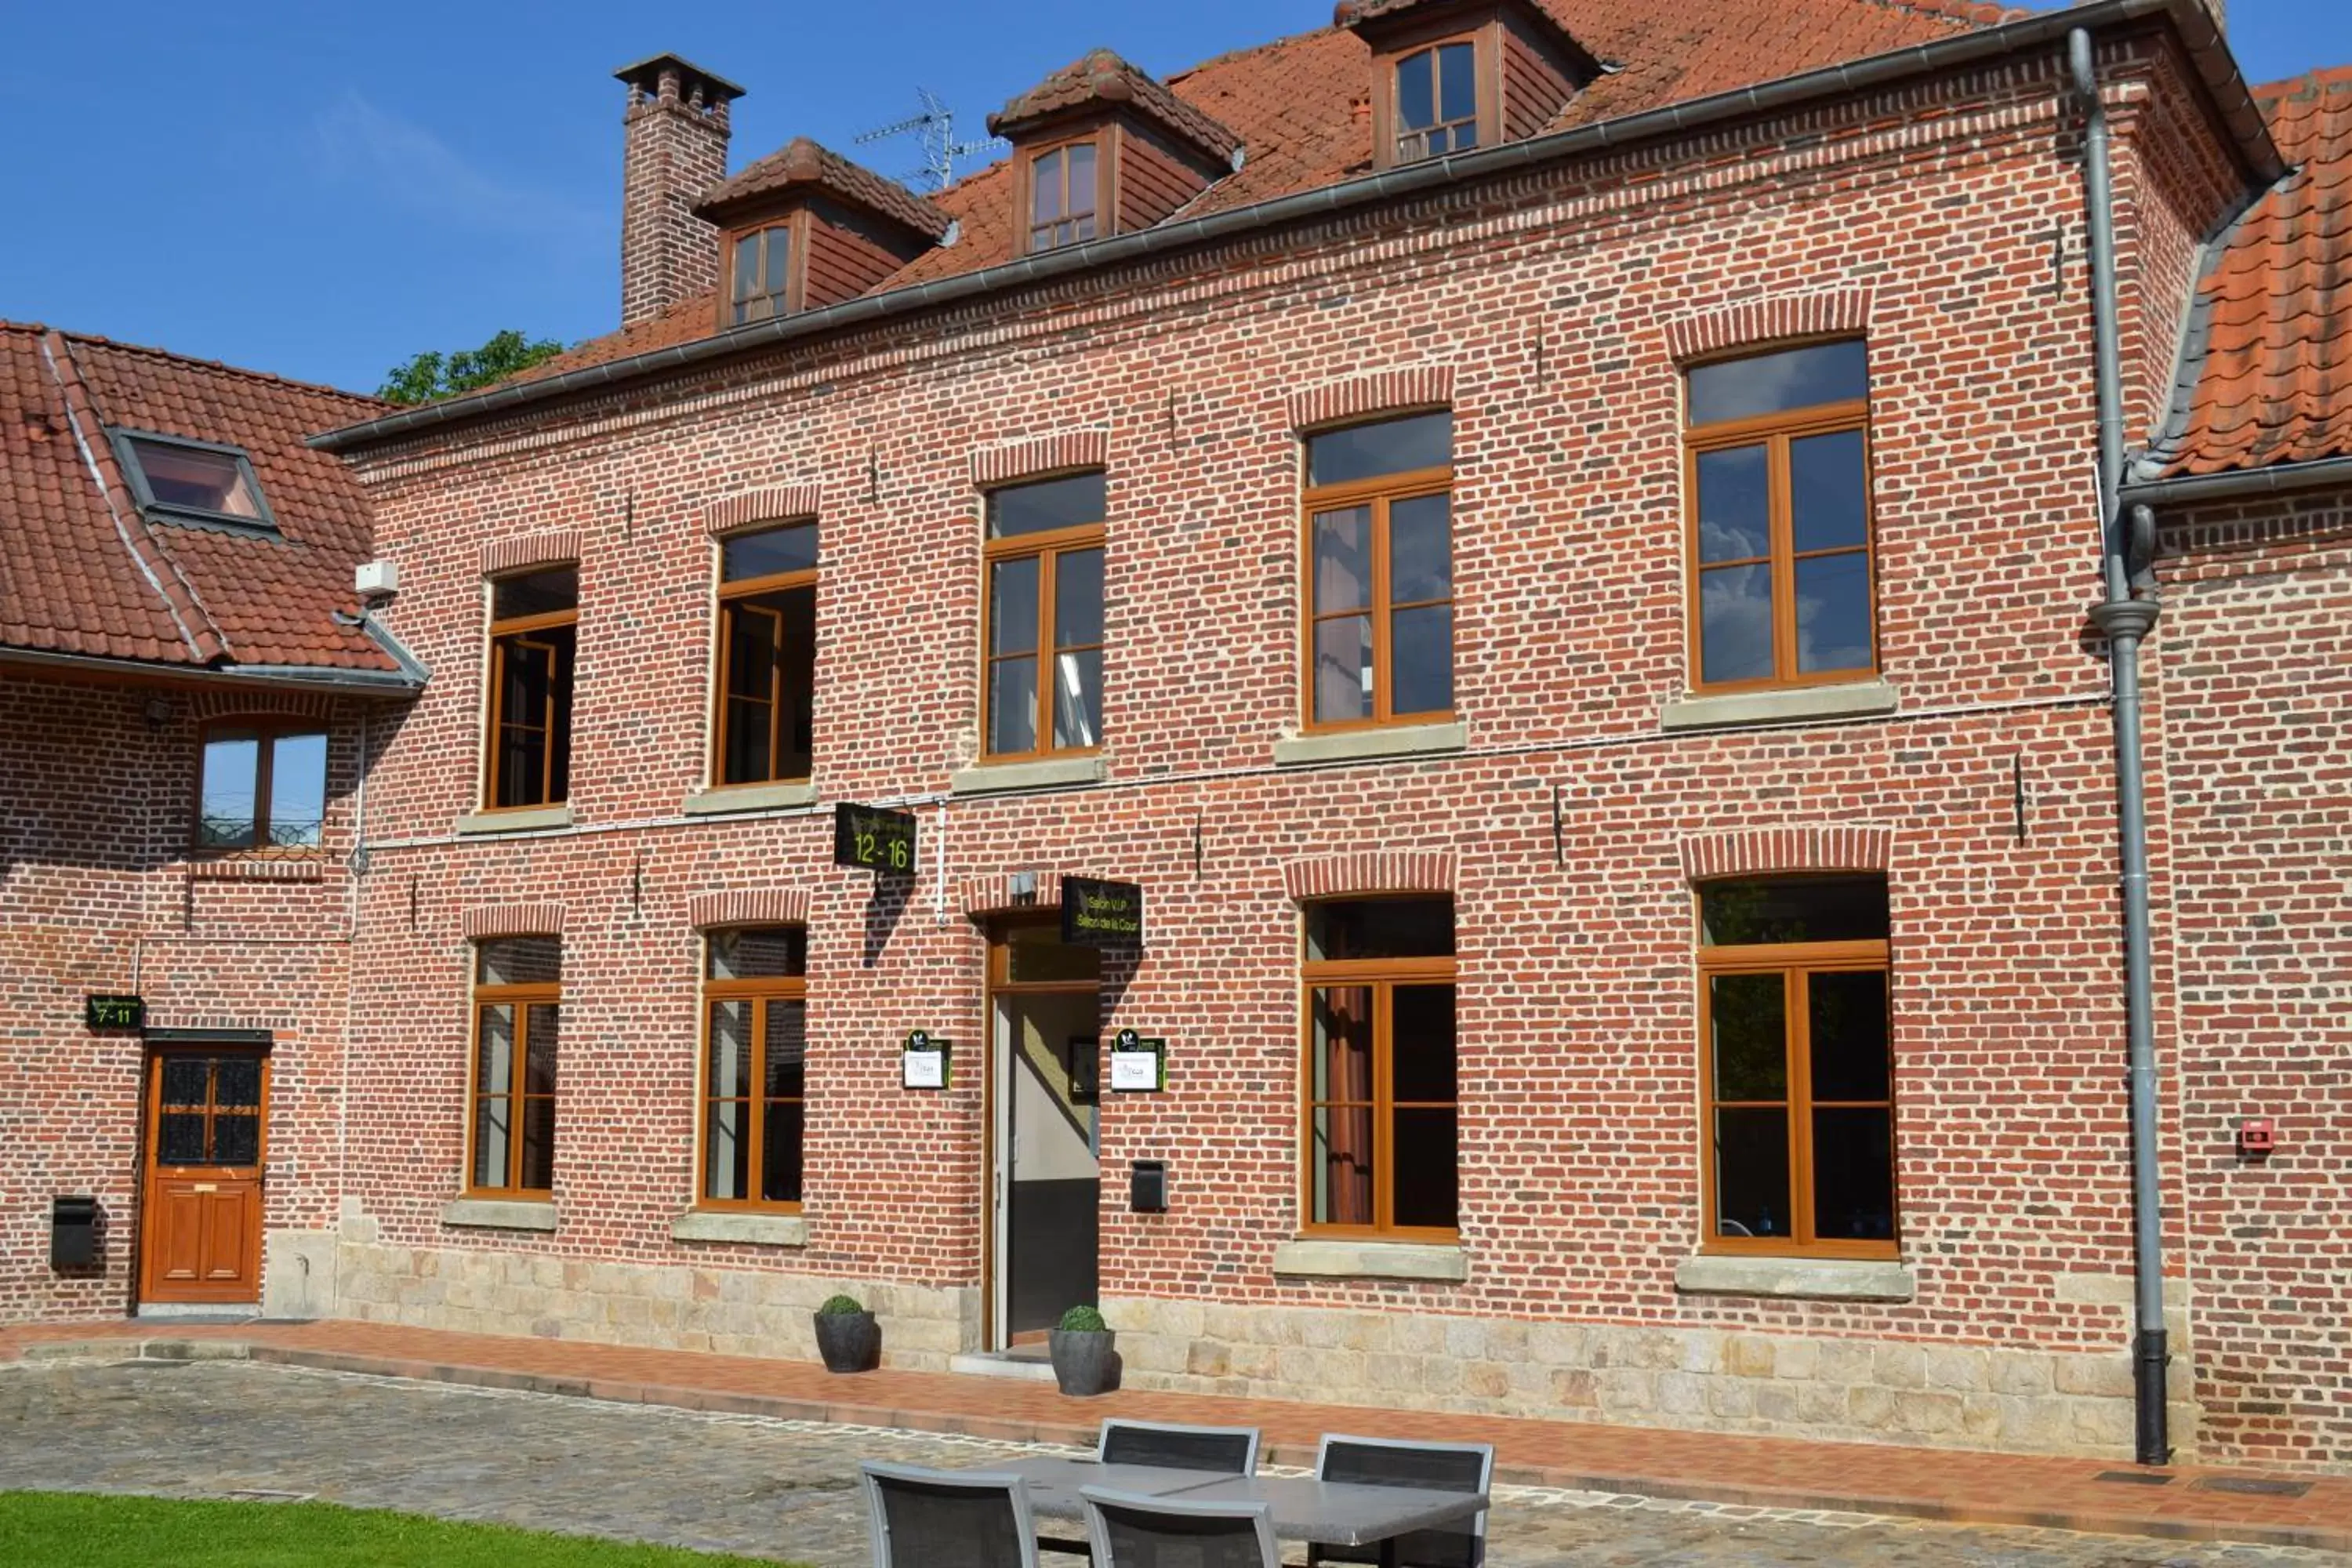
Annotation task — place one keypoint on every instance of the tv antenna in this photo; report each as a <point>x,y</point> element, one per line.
<point>934,129</point>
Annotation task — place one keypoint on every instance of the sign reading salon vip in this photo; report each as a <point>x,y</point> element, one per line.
<point>873,839</point>
<point>1101,914</point>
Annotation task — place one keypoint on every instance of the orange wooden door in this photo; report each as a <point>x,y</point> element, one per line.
<point>201,1229</point>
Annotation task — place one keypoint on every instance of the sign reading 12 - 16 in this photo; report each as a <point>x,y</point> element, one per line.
<point>873,839</point>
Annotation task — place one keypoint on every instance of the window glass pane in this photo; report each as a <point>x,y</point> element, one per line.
<point>1833,612</point>
<point>1012,605</point>
<point>1771,384</point>
<point>232,764</point>
<point>751,739</point>
<point>1458,95</point>
<point>1421,1044</point>
<point>1425,1165</point>
<point>1340,1079</point>
<point>743,556</point>
<point>1749,1015</point>
<point>1046,182</point>
<point>1853,1175</point>
<point>728,1075</point>
<point>1420,552</point>
<point>1013,705</point>
<point>1343,669</point>
<point>559,717</point>
<point>1847,1011</point>
<point>1417,90</point>
<point>187,1080</point>
<point>236,1139</point>
<point>1036,952</point>
<point>542,1033</point>
<point>1794,909</point>
<point>1342,1164</point>
<point>1751,1172</point>
<point>787,1026</point>
<point>520,961</point>
<point>180,1138</point>
<point>1734,505</point>
<point>237,1082</point>
<point>747,267</point>
<point>779,1152</point>
<point>1734,623</point>
<point>1380,928</point>
<point>1343,560</point>
<point>536,593</point>
<point>492,1121</point>
<point>797,685</point>
<point>727,1149</point>
<point>1077,598</point>
<point>780,267</point>
<point>538,1145</point>
<point>1421,659</point>
<point>185,476</point>
<point>298,790</point>
<point>1828,491</point>
<point>534,737</point>
<point>494,1049</point>
<point>1064,502</point>
<point>1077,698</point>
<point>759,953</point>
<point>1392,446</point>
<point>1082,179</point>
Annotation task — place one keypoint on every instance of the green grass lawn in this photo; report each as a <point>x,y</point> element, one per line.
<point>77,1530</point>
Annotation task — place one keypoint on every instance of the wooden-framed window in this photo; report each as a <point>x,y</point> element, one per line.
<point>1795,1066</point>
<point>1043,635</point>
<point>760,282</point>
<point>262,784</point>
<point>1437,100</point>
<point>534,626</point>
<point>518,1008</point>
<point>765,729</point>
<point>1782,575</point>
<point>1378,638</point>
<point>1381,1127</point>
<point>754,1074</point>
<point>1066,193</point>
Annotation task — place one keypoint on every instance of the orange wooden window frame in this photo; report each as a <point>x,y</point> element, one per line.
<point>1774,432</point>
<point>1478,43</point>
<point>522,998</point>
<point>267,729</point>
<point>1047,546</point>
<point>1043,237</point>
<point>730,597</point>
<point>758,992</point>
<point>1384,977</point>
<point>1795,962</point>
<point>515,631</point>
<point>1378,494</point>
<point>731,306</point>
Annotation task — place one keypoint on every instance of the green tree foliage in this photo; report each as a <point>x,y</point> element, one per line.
<point>431,376</point>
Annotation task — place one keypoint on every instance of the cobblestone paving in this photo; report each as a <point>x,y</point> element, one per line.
<point>779,1489</point>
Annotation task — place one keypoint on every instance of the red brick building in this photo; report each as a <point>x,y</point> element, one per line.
<point>1555,546</point>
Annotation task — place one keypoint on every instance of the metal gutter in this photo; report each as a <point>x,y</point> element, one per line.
<point>2237,484</point>
<point>2231,102</point>
<point>282,677</point>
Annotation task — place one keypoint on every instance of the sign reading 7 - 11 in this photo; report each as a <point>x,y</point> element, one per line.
<point>873,839</point>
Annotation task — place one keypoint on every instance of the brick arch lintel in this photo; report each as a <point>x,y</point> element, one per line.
<point>781,503</point>
<point>557,547</point>
<point>1773,851</point>
<point>1057,452</point>
<point>208,705</point>
<point>1383,392</point>
<point>1760,322</point>
<point>484,921</point>
<point>748,907</point>
<point>993,895</point>
<point>1371,871</point>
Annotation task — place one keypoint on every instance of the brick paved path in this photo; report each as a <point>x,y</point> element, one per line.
<point>758,1486</point>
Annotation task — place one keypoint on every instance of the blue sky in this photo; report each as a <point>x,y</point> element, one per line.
<point>322,190</point>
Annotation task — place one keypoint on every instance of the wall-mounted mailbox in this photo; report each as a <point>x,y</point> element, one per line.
<point>1147,1187</point>
<point>2256,1138</point>
<point>73,1232</point>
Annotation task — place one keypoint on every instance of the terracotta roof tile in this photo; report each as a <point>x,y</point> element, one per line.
<point>803,163</point>
<point>1100,78</point>
<point>2272,381</point>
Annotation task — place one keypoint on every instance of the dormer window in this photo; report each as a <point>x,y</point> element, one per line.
<point>179,480</point>
<point>1438,101</point>
<point>762,274</point>
<point>1064,192</point>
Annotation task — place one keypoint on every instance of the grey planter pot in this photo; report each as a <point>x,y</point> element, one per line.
<point>1084,1362</point>
<point>849,1341</point>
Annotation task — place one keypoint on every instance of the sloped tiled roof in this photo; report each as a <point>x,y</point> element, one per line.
<point>2268,379</point>
<point>1298,106</point>
<point>1100,77</point>
<point>803,163</point>
<point>82,571</point>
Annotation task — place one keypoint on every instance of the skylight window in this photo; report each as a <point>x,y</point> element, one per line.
<point>194,481</point>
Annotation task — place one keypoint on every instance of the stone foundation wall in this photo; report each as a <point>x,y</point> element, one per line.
<point>1706,1378</point>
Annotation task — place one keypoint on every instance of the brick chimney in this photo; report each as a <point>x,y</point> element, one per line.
<point>674,148</point>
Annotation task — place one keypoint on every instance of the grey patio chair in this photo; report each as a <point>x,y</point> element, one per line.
<point>1230,1450</point>
<point>1399,1462</point>
<point>948,1519</point>
<point>1129,1531</point>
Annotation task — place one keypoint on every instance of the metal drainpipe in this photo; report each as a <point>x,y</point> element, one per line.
<point>2126,620</point>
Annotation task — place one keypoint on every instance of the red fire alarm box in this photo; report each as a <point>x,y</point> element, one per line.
<point>2256,1137</point>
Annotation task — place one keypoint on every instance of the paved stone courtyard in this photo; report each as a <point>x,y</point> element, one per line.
<point>776,1488</point>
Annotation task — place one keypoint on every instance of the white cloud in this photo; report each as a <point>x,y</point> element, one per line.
<point>414,169</point>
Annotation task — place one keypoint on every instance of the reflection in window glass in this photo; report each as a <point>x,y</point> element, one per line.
<point>195,478</point>
<point>1436,103</point>
<point>1778,383</point>
<point>1044,681</point>
<point>232,783</point>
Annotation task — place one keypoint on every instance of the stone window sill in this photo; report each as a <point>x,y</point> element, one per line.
<point>720,799</point>
<point>500,1214</point>
<point>1359,745</point>
<point>1814,1279</point>
<point>1347,1259</point>
<point>742,1228</point>
<point>1790,705</point>
<point>526,820</point>
<point>990,778</point>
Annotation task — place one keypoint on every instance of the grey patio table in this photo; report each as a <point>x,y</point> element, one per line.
<point>1338,1513</point>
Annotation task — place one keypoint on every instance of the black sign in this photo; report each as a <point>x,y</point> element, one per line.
<point>114,1012</point>
<point>1101,914</point>
<point>873,839</point>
